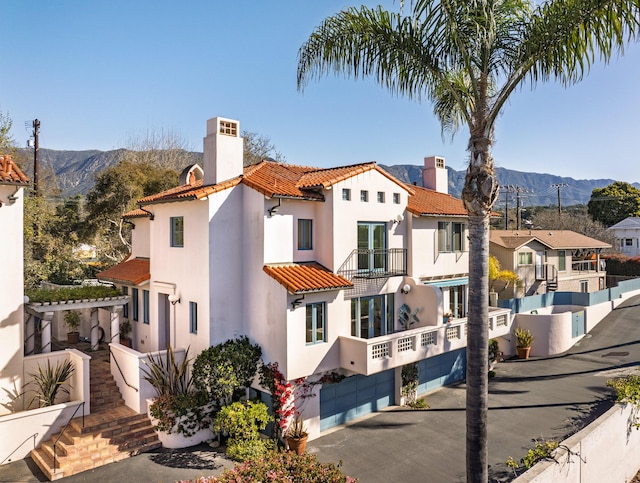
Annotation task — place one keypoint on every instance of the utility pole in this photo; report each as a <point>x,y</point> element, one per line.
<point>36,132</point>
<point>506,208</point>
<point>559,186</point>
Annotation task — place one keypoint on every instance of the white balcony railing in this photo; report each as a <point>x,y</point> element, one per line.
<point>369,356</point>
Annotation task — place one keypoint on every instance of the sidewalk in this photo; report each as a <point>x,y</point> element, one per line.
<point>547,397</point>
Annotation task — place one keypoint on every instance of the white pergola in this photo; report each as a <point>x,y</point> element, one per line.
<point>45,310</point>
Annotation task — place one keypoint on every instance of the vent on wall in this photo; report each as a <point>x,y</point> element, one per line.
<point>229,128</point>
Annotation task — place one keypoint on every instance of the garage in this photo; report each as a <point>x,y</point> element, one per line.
<point>441,370</point>
<point>354,397</point>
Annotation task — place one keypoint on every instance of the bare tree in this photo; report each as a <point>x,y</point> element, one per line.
<point>258,147</point>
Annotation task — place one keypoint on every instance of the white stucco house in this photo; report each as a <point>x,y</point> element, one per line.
<point>627,233</point>
<point>312,264</point>
<point>12,183</point>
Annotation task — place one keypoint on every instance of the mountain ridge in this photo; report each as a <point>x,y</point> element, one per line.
<point>75,172</point>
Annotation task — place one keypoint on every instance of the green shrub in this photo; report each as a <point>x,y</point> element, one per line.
<point>243,450</point>
<point>71,293</point>
<point>627,391</point>
<point>281,467</point>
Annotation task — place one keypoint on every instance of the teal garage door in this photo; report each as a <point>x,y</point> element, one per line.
<point>441,370</point>
<point>354,397</point>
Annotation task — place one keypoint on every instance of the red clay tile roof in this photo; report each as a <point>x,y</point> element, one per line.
<point>280,180</point>
<point>274,180</point>
<point>300,278</point>
<point>194,191</point>
<point>10,173</point>
<point>137,213</point>
<point>556,239</point>
<point>426,202</point>
<point>133,271</point>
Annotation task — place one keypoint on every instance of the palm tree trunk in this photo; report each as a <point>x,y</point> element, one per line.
<point>479,194</point>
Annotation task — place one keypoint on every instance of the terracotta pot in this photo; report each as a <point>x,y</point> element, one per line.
<point>523,352</point>
<point>73,337</point>
<point>299,445</point>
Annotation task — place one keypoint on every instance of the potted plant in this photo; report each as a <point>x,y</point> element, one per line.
<point>181,416</point>
<point>125,330</point>
<point>447,317</point>
<point>524,338</point>
<point>297,436</point>
<point>72,321</point>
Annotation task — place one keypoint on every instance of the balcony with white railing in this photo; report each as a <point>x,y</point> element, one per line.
<point>370,356</point>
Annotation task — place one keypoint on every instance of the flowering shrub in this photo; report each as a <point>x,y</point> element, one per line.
<point>281,467</point>
<point>281,394</point>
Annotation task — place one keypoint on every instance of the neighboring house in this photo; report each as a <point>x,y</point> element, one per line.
<point>627,233</point>
<point>12,183</point>
<point>312,264</point>
<point>550,260</point>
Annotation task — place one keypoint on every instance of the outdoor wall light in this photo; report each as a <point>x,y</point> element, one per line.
<point>398,219</point>
<point>174,299</point>
<point>406,288</point>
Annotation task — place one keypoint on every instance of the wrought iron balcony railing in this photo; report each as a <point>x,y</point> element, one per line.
<point>375,263</point>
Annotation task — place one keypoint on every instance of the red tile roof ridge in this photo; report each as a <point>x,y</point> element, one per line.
<point>10,173</point>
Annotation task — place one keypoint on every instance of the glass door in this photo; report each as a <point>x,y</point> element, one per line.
<point>371,246</point>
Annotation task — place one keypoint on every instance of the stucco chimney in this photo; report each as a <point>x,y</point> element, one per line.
<point>223,150</point>
<point>435,175</point>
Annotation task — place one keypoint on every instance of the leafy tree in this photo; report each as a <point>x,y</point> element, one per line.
<point>614,203</point>
<point>7,143</point>
<point>575,220</point>
<point>468,57</point>
<point>258,147</point>
<point>115,192</point>
<point>496,274</point>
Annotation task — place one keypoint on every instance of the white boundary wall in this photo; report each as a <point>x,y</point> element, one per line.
<point>606,450</point>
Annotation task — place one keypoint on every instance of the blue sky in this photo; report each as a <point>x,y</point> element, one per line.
<point>97,73</point>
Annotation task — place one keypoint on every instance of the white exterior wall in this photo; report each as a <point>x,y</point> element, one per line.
<point>140,238</point>
<point>425,259</point>
<point>347,214</point>
<point>227,249</point>
<point>181,271</point>
<point>11,295</point>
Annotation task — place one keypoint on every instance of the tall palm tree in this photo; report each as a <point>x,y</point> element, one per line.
<point>467,57</point>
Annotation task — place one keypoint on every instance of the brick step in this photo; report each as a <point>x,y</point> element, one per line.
<point>73,438</point>
<point>97,422</point>
<point>121,439</point>
<point>95,449</point>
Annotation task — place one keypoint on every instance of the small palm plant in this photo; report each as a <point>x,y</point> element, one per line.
<point>50,380</point>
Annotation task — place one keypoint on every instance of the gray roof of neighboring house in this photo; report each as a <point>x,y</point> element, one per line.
<point>555,239</point>
<point>630,222</point>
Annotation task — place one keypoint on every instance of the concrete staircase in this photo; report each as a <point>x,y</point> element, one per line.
<point>111,432</point>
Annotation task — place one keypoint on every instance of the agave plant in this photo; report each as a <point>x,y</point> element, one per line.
<point>168,377</point>
<point>50,380</point>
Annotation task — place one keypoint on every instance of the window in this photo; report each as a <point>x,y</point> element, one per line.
<point>525,258</point>
<point>145,306</point>
<point>451,237</point>
<point>380,196</point>
<point>305,234</point>
<point>315,323</point>
<point>562,260</point>
<point>628,242</point>
<point>134,304</point>
<point>193,317</point>
<point>177,231</point>
<point>364,195</point>
<point>346,194</point>
<point>396,198</point>
<point>125,307</point>
<point>584,286</point>
<point>372,316</point>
